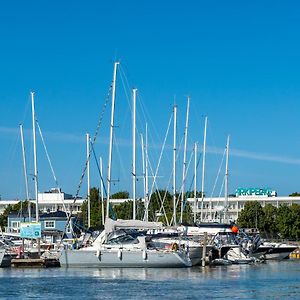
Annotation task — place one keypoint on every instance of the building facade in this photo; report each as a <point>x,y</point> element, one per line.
<point>213,208</point>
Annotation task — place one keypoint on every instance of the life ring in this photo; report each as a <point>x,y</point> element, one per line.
<point>174,247</point>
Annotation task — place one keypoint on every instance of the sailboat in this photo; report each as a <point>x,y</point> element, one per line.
<point>124,243</point>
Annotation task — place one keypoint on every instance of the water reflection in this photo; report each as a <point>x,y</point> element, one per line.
<point>271,280</point>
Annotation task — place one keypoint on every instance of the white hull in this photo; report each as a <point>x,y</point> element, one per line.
<point>2,253</point>
<point>236,256</point>
<point>124,259</point>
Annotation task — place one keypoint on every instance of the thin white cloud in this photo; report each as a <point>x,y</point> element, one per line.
<point>80,138</point>
<point>257,156</point>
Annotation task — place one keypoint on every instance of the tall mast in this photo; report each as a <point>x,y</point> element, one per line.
<point>184,158</point>
<point>101,189</point>
<point>111,135</point>
<point>174,164</point>
<point>134,151</point>
<point>195,181</point>
<point>88,179</point>
<point>226,180</point>
<point>203,168</point>
<point>146,175</point>
<point>25,172</point>
<point>35,160</point>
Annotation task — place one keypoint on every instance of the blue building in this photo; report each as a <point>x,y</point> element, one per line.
<point>53,225</point>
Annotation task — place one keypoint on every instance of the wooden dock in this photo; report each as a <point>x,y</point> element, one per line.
<point>34,263</point>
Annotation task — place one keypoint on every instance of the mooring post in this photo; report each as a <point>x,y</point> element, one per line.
<point>204,250</point>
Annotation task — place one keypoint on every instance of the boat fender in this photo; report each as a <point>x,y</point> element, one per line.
<point>174,247</point>
<point>99,254</point>
<point>144,255</point>
<point>120,254</point>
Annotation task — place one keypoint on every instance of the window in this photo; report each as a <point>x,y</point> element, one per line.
<point>15,224</point>
<point>49,224</point>
<point>69,228</point>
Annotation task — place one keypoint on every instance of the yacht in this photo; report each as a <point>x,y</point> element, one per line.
<point>124,243</point>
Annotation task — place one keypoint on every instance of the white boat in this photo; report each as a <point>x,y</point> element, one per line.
<point>2,253</point>
<point>278,251</point>
<point>120,246</point>
<point>237,256</point>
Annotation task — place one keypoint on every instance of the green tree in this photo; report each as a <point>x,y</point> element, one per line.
<point>125,210</point>
<point>162,215</point>
<point>120,195</point>
<point>295,194</point>
<point>20,208</point>
<point>96,211</point>
<point>252,216</point>
<point>269,221</point>
<point>284,221</point>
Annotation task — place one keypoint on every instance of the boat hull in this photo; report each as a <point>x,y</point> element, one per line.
<point>280,252</point>
<point>123,259</point>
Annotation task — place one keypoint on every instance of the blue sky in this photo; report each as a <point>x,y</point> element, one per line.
<point>238,60</point>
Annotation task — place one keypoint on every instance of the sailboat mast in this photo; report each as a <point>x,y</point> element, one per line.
<point>195,181</point>
<point>146,175</point>
<point>184,158</point>
<point>226,180</point>
<point>35,159</point>
<point>203,168</point>
<point>134,151</point>
<point>111,136</point>
<point>174,163</point>
<point>88,179</point>
<point>101,189</point>
<point>25,172</point>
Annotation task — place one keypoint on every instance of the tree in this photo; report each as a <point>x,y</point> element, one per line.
<point>162,215</point>
<point>251,216</point>
<point>295,194</point>
<point>20,208</point>
<point>269,221</point>
<point>284,221</point>
<point>96,211</point>
<point>120,195</point>
<point>125,210</point>
<point>190,194</point>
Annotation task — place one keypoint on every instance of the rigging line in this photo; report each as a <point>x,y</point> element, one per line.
<point>50,164</point>
<point>213,139</point>
<point>127,98</point>
<point>218,174</point>
<point>26,108</point>
<point>125,82</point>
<point>165,195</point>
<point>121,164</point>
<point>98,167</point>
<point>221,190</point>
<point>180,198</point>
<point>151,170</point>
<point>198,162</point>
<point>88,158</point>
<point>147,116</point>
<point>170,178</point>
<point>160,156</point>
<point>193,178</point>
<point>217,178</point>
<point>157,168</point>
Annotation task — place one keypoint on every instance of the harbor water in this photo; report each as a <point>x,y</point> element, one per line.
<point>271,280</point>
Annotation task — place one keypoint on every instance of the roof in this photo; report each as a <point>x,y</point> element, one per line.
<point>56,214</point>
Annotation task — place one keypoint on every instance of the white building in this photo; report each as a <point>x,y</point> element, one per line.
<point>50,202</point>
<point>213,208</point>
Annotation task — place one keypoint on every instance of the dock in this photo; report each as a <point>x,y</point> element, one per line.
<point>35,263</point>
